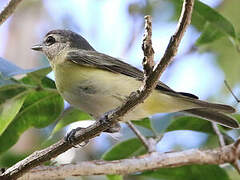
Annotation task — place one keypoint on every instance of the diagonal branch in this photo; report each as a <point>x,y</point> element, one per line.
<point>112,117</point>
<point>230,90</point>
<point>8,10</point>
<point>149,161</point>
<point>219,134</point>
<point>151,147</point>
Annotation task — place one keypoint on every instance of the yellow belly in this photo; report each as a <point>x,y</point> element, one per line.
<point>96,91</point>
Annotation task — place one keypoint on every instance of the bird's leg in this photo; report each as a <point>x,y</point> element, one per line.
<point>104,120</point>
<point>70,137</point>
<point>113,128</point>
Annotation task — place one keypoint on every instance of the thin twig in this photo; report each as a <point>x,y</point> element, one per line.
<point>230,90</point>
<point>148,60</point>
<point>106,121</point>
<point>149,161</point>
<point>149,146</point>
<point>8,10</point>
<point>219,134</point>
<point>148,64</point>
<point>173,45</point>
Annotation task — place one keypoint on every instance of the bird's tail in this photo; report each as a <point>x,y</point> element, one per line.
<point>215,116</point>
<point>193,102</point>
<point>199,104</point>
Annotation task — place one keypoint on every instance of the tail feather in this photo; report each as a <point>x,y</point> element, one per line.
<point>214,116</point>
<point>218,107</point>
<point>185,97</point>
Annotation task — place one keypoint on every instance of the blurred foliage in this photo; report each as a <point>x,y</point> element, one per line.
<point>146,123</point>
<point>115,177</point>
<point>33,101</point>
<point>190,123</point>
<point>125,149</point>
<point>8,159</point>
<point>219,29</point>
<point>220,34</point>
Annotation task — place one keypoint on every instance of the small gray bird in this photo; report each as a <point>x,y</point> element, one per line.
<point>97,83</point>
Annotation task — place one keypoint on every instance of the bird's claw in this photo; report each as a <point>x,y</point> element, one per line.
<point>105,118</point>
<point>113,128</point>
<point>70,138</point>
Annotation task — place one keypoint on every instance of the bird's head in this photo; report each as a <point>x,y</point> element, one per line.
<point>57,40</point>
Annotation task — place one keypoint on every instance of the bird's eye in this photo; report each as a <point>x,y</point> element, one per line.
<point>50,40</point>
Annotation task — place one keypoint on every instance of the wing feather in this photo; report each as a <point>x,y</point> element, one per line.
<point>105,62</point>
<point>108,63</point>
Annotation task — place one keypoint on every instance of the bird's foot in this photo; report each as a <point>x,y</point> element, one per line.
<point>113,128</point>
<point>70,138</point>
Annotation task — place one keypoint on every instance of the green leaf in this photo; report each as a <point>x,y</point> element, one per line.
<point>197,124</point>
<point>41,72</point>
<point>190,123</point>
<point>39,109</point>
<point>36,77</point>
<point>114,177</point>
<point>9,109</point>
<point>215,19</point>
<point>125,149</point>
<point>9,158</point>
<point>46,105</point>
<point>209,35</point>
<point>196,172</point>
<point>69,116</point>
<point>209,21</point>
<point>146,123</point>
<point>9,91</point>
<point>48,83</point>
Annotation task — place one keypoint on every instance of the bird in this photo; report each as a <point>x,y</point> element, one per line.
<point>97,83</point>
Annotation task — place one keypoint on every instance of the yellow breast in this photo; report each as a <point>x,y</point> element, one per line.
<point>97,91</point>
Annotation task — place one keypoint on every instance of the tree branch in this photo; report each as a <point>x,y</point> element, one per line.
<point>112,117</point>
<point>8,10</point>
<point>148,60</point>
<point>150,161</point>
<point>230,90</point>
<point>219,134</point>
<point>150,147</point>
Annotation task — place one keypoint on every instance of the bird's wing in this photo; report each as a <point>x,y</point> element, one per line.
<point>105,62</point>
<point>108,63</point>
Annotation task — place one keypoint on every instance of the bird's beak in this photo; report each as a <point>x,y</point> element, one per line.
<point>37,47</point>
